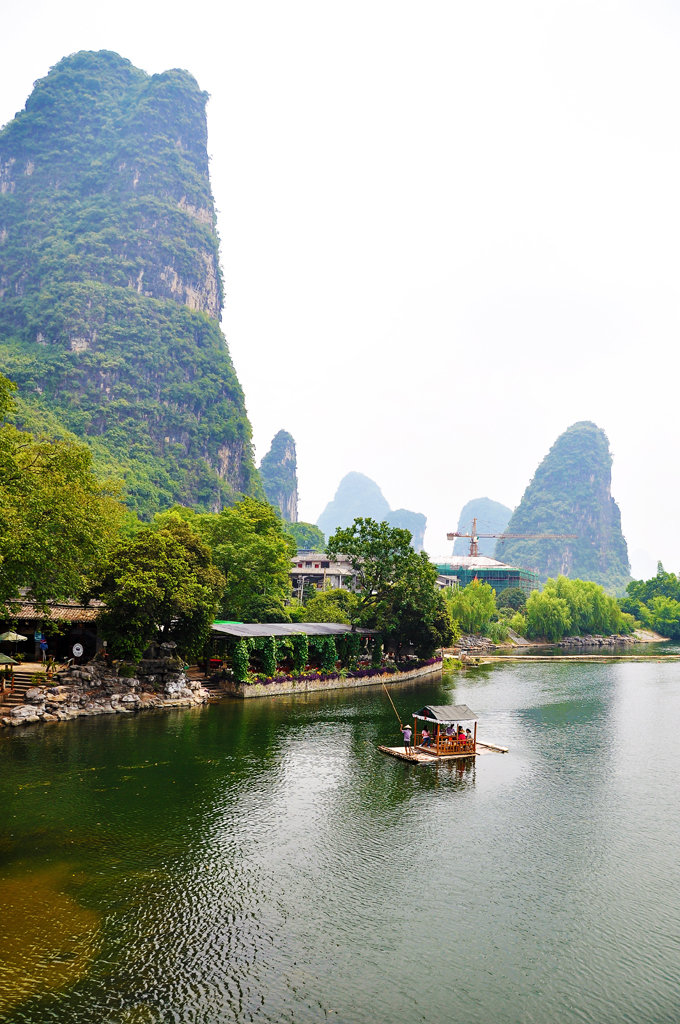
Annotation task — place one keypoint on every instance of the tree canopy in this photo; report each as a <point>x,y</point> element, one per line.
<point>253,552</point>
<point>160,585</point>
<point>57,521</point>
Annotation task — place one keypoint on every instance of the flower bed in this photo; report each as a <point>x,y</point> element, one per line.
<point>260,685</point>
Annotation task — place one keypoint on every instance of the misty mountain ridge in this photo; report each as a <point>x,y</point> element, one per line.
<point>359,496</point>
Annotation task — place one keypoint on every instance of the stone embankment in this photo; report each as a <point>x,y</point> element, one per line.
<point>97,689</point>
<point>597,641</point>
<point>467,642</point>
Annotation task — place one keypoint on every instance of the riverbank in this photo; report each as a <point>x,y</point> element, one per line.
<point>97,689</point>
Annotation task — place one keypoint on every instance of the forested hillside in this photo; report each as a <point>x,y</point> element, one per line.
<point>110,287</point>
<point>571,494</point>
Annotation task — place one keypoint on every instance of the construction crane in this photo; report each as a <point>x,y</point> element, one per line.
<point>474,537</point>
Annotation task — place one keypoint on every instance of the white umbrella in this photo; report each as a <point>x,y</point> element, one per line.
<point>14,637</point>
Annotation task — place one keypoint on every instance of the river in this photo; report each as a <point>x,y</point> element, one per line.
<point>262,861</point>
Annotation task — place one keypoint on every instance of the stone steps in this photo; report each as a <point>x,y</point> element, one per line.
<point>22,682</point>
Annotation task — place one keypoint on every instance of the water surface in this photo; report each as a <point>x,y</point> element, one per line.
<point>261,861</point>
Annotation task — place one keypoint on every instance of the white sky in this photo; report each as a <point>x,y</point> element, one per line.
<point>449,230</point>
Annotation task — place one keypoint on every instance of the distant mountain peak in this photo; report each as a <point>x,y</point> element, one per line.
<point>358,495</point>
<point>278,470</point>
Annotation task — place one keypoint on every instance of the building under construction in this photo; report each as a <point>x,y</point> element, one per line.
<point>463,569</point>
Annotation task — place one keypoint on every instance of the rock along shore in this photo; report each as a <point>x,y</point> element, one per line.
<point>97,689</point>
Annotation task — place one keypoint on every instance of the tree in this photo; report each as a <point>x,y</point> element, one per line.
<point>252,551</point>
<point>511,597</point>
<point>547,616</point>
<point>472,607</point>
<point>378,554</point>
<point>415,613</point>
<point>330,605</point>
<point>57,521</point>
<point>307,536</point>
<point>665,616</point>
<point>160,585</point>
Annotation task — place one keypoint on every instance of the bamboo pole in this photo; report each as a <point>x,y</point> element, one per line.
<point>392,703</point>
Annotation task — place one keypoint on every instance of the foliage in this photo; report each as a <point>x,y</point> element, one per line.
<point>472,607</point>
<point>161,585</point>
<point>378,555</point>
<point>326,650</point>
<point>416,614</point>
<point>511,597</point>
<point>253,553</point>
<point>518,623</point>
<point>653,602</point>
<point>240,659</point>
<point>266,646</point>
<point>376,653</point>
<point>570,494</point>
<point>547,616</point>
<point>300,652</point>
<point>497,632</point>
<point>57,521</point>
<point>334,604</point>
<point>579,607</point>
<point>348,647</point>
<point>590,609</point>
<point>396,587</point>
<point>307,536</point>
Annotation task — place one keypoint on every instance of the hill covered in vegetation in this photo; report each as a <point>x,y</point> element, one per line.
<point>571,494</point>
<point>278,471</point>
<point>110,286</point>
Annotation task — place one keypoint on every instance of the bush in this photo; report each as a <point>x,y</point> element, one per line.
<point>497,631</point>
<point>518,624</point>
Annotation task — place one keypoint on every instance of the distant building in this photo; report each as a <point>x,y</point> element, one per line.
<point>316,569</point>
<point>466,568</point>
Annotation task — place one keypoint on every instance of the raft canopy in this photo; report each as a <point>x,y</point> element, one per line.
<point>446,714</point>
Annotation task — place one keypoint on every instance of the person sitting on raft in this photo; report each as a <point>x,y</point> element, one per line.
<point>427,739</point>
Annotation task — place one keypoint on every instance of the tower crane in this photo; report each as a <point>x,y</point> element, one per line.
<point>474,537</point>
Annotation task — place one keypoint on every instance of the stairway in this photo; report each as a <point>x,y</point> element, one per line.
<point>23,681</point>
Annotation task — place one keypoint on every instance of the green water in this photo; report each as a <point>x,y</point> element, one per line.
<point>261,861</point>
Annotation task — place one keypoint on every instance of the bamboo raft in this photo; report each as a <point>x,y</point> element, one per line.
<point>451,745</point>
<point>425,755</point>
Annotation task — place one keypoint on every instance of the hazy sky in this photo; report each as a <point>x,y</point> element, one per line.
<point>449,230</point>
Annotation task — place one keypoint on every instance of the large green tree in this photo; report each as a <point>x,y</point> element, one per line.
<point>161,585</point>
<point>251,549</point>
<point>57,521</point>
<point>415,614</point>
<point>396,587</point>
<point>378,554</point>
